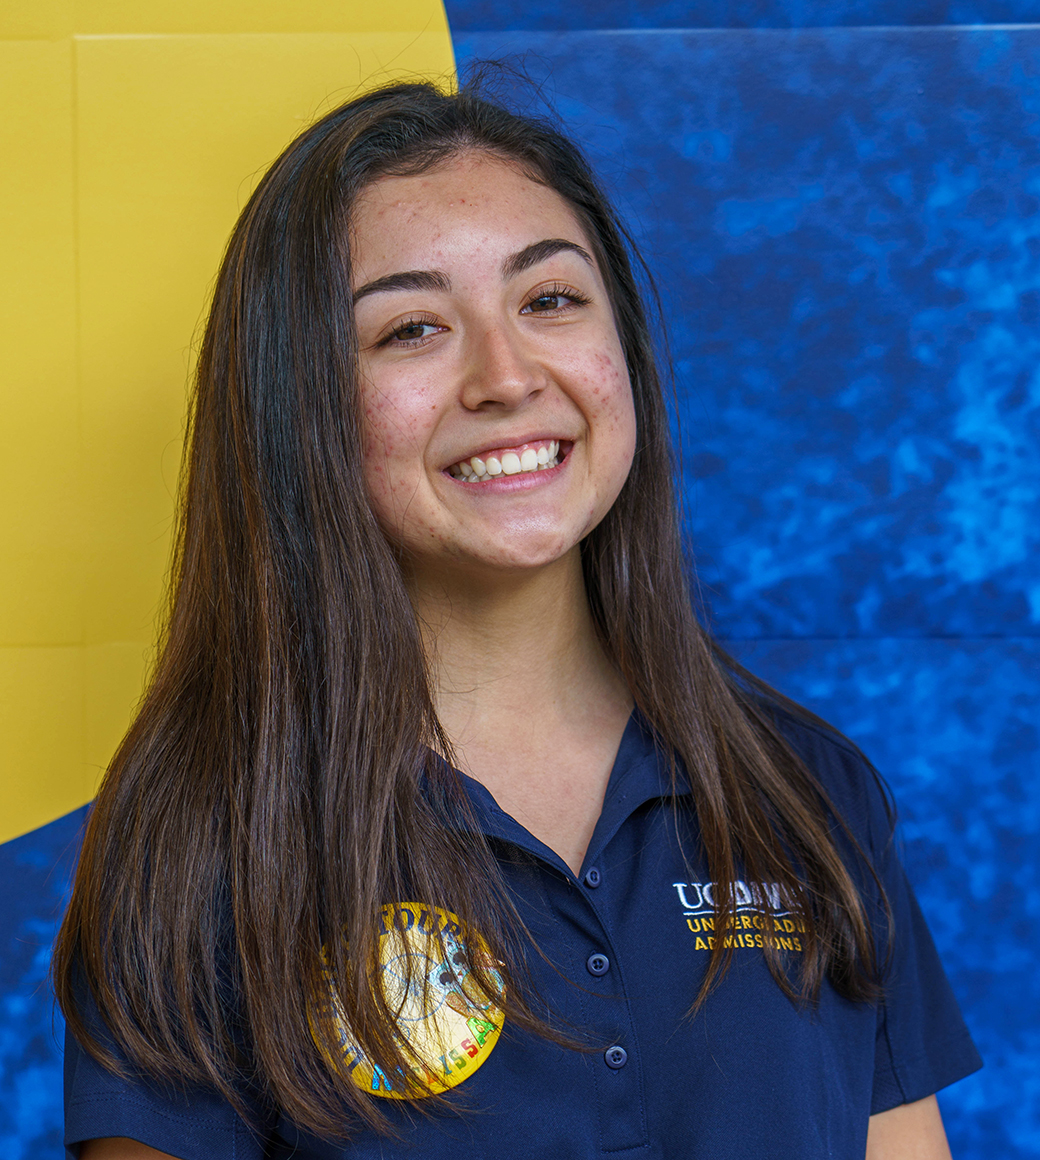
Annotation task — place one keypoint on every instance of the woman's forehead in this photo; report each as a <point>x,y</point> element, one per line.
<point>463,166</point>
<point>470,201</point>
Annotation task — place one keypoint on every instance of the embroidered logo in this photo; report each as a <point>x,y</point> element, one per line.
<point>747,925</point>
<point>446,1020</point>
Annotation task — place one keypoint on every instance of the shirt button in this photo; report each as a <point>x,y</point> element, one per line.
<point>598,964</point>
<point>616,1057</point>
<point>593,878</point>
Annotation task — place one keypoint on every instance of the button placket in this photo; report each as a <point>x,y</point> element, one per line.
<point>617,1074</point>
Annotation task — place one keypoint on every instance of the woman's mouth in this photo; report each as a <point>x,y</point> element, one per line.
<point>524,459</point>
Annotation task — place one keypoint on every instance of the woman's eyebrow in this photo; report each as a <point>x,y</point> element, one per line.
<point>437,280</point>
<point>406,280</point>
<point>538,252</point>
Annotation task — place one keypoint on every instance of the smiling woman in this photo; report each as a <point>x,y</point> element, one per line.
<point>444,823</point>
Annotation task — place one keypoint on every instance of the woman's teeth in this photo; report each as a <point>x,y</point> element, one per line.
<point>530,459</point>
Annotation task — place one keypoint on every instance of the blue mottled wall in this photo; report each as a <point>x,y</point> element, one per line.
<point>35,874</point>
<point>844,219</point>
<point>845,222</point>
<point>553,16</point>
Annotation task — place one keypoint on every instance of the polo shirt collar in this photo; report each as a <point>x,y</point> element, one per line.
<point>640,774</point>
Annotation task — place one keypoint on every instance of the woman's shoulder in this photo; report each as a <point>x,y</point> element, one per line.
<point>849,780</point>
<point>114,1097</point>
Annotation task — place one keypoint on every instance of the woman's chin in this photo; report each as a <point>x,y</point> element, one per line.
<point>507,562</point>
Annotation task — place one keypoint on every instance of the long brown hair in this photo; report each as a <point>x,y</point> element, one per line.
<point>278,785</point>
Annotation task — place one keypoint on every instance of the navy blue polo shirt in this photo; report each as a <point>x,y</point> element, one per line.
<point>627,940</point>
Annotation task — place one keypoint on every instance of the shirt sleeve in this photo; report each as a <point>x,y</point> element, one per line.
<point>922,1042</point>
<point>190,1123</point>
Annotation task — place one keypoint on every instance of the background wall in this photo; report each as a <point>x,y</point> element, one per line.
<point>841,202</point>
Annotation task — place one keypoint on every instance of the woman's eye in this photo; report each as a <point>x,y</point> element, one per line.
<point>553,301</point>
<point>411,333</point>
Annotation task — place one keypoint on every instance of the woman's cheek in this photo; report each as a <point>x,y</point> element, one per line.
<point>379,448</point>
<point>619,413</point>
<point>394,442</point>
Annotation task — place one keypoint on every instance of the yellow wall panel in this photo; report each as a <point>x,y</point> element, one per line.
<point>133,149</point>
<point>30,19</point>
<point>43,774</point>
<point>236,16</point>
<point>113,683</point>
<point>40,518</point>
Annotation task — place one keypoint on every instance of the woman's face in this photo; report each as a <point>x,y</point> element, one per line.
<point>498,417</point>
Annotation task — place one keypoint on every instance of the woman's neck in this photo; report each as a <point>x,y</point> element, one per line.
<point>501,645</point>
<point>527,695</point>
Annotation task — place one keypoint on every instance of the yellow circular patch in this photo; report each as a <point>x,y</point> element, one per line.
<point>449,1024</point>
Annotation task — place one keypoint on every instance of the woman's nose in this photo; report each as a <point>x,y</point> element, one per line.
<point>501,372</point>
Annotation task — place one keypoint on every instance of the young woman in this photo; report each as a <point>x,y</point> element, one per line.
<point>444,828</point>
